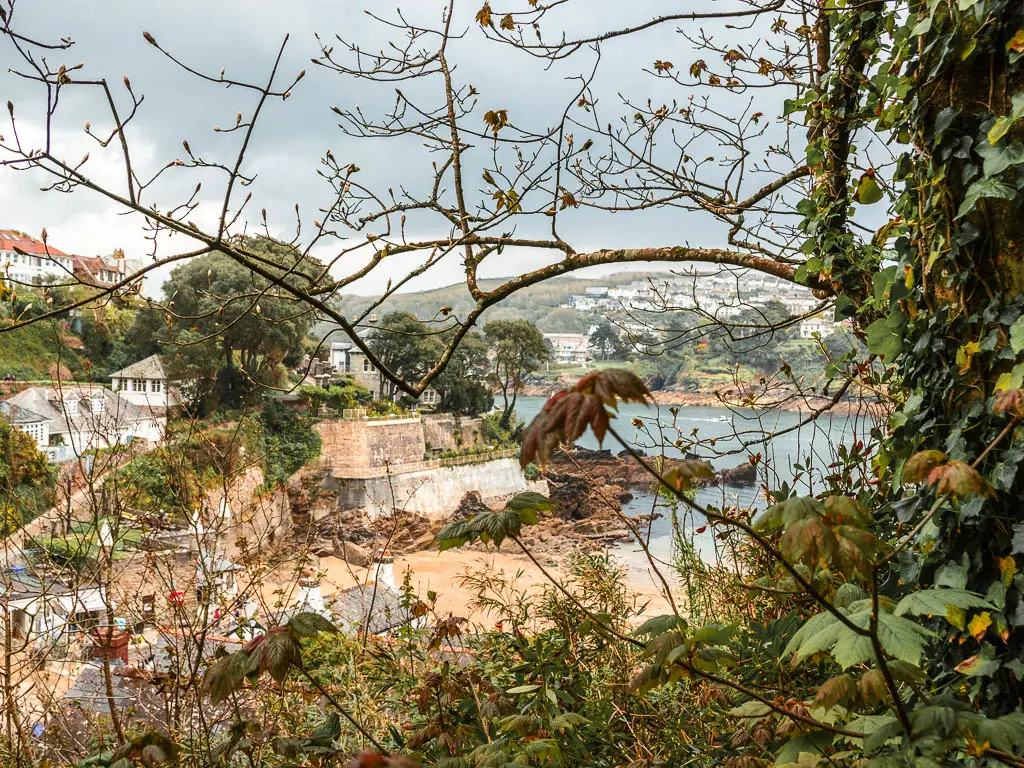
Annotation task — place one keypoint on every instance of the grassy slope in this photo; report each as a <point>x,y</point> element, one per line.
<point>30,351</point>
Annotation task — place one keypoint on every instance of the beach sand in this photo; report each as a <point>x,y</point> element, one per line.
<point>442,572</point>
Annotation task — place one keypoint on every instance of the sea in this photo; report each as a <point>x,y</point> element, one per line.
<point>727,437</point>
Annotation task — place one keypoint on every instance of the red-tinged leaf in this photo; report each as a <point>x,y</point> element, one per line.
<point>872,687</point>
<point>842,510</point>
<point>809,541</point>
<point>958,478</point>
<point>687,474</point>
<point>920,464</point>
<point>839,690</point>
<point>507,22</point>
<point>613,384</point>
<point>483,16</point>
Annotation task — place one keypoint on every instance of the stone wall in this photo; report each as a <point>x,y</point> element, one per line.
<point>448,432</point>
<point>439,431</point>
<point>370,442</point>
<point>435,492</point>
<point>253,517</point>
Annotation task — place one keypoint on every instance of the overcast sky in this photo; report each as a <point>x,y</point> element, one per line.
<point>243,37</point>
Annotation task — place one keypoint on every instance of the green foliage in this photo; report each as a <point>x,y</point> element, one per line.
<point>288,441</point>
<point>27,479</point>
<point>522,509</point>
<point>518,349</point>
<point>338,397</point>
<point>231,330</point>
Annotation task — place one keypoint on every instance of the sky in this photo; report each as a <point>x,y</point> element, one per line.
<point>243,37</point>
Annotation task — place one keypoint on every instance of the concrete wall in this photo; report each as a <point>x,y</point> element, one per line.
<point>434,493</point>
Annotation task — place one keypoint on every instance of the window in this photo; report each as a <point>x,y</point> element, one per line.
<point>71,406</point>
<point>366,365</point>
<point>35,431</point>
<point>98,404</point>
<point>138,385</point>
<point>156,386</point>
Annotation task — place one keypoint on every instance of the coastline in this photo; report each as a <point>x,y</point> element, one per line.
<point>734,398</point>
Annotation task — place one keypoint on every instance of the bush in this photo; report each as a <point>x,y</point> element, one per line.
<point>288,441</point>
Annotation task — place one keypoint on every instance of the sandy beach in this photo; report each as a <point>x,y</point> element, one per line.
<point>442,572</point>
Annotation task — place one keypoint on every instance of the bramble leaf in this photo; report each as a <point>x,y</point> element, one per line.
<point>310,624</point>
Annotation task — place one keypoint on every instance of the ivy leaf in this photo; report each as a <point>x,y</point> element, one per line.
<point>868,191</point>
<point>1003,125</point>
<point>921,464</point>
<point>883,340</point>
<point>976,666</point>
<point>1017,335</point>
<point>978,626</point>
<point>985,188</point>
<point>1016,43</point>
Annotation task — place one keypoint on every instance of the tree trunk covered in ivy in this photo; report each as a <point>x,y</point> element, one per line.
<point>952,324</point>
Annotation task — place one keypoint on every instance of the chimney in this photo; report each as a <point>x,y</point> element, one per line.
<point>386,569</point>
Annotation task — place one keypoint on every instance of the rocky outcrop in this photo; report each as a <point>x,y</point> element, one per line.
<point>744,474</point>
<point>471,504</point>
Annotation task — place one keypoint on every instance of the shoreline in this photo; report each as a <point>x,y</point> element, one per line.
<point>738,399</point>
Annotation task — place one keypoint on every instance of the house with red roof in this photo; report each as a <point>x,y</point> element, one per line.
<point>27,261</point>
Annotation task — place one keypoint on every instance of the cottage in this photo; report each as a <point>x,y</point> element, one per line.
<point>145,384</point>
<point>31,423</point>
<point>79,417</point>
<point>41,609</point>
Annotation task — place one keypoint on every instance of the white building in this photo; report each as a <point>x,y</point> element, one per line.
<point>36,262</point>
<point>79,417</point>
<point>819,325</point>
<point>27,261</point>
<point>569,348</point>
<point>145,384</point>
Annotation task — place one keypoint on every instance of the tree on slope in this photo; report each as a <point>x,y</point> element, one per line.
<point>518,349</point>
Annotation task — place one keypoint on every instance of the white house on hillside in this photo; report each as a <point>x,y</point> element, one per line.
<point>35,263</point>
<point>569,348</point>
<point>69,419</point>
<point>145,384</point>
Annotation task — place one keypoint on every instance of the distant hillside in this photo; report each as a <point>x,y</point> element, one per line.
<point>539,303</point>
